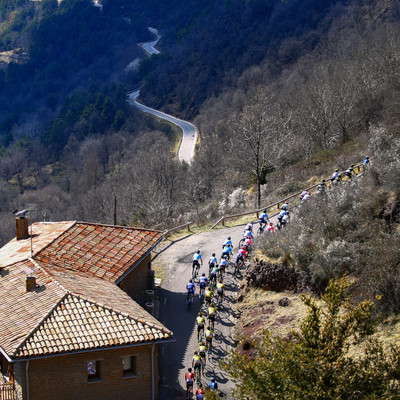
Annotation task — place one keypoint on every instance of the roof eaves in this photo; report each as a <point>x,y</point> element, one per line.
<point>128,271</point>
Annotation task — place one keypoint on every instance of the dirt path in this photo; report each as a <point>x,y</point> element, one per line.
<point>175,358</point>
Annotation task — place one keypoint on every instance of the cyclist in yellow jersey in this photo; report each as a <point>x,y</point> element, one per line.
<point>202,352</point>
<point>208,295</point>
<point>209,334</point>
<point>200,320</point>
<point>197,364</point>
<point>220,290</point>
<point>211,314</point>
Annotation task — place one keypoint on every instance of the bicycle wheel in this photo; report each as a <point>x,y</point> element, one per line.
<point>241,243</point>
<point>260,231</point>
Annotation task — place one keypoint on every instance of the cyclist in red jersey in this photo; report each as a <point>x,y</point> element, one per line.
<point>189,378</point>
<point>200,392</point>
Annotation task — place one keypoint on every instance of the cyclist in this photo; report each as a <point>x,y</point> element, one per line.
<point>350,171</point>
<point>250,226</point>
<point>335,175</point>
<point>213,385</point>
<point>248,243</point>
<point>226,251</point>
<point>200,392</point>
<point>197,364</point>
<point>208,295</point>
<point>285,206</point>
<point>248,234</point>
<point>281,215</point>
<point>190,291</point>
<point>211,314</point>
<point>212,262</point>
<point>200,320</point>
<point>197,260</point>
<point>189,378</point>
<point>202,283</point>
<point>223,265</point>
<point>220,290</point>
<point>202,352</point>
<point>209,334</point>
<point>213,275</point>
<point>263,219</point>
<point>228,242</point>
<point>304,196</point>
<point>270,228</point>
<point>240,257</point>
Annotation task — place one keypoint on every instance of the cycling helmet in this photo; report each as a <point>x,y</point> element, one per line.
<point>366,157</point>
<point>213,254</point>
<point>225,256</point>
<point>323,180</point>
<point>190,281</point>
<point>287,201</point>
<point>265,210</point>
<point>198,251</point>
<point>336,170</point>
<point>212,379</point>
<point>229,238</point>
<point>271,223</point>
<point>251,222</point>
<point>203,274</point>
<point>195,352</point>
<point>352,165</point>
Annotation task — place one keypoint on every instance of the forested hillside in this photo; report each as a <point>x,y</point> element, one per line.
<point>306,82</point>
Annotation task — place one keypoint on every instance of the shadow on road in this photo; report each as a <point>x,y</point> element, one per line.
<point>176,316</point>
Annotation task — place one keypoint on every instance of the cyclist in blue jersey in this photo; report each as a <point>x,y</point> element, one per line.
<point>227,252</point>
<point>190,291</point>
<point>213,385</point>
<point>263,219</point>
<point>212,262</point>
<point>223,265</point>
<point>202,283</point>
<point>197,260</point>
<point>228,242</point>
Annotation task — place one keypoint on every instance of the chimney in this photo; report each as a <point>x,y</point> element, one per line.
<point>21,224</point>
<point>30,283</point>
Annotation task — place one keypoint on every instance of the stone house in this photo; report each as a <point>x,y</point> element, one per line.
<point>69,324</point>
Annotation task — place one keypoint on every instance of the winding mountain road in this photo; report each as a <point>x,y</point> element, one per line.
<point>189,130</point>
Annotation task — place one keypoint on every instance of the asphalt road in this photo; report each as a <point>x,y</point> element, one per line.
<point>176,357</point>
<point>189,131</point>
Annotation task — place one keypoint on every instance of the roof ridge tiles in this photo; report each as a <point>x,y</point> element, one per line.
<point>120,226</point>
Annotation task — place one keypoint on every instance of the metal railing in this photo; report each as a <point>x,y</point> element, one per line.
<point>7,391</point>
<point>272,209</point>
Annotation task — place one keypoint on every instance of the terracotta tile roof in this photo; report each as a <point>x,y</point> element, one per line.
<point>107,252</point>
<point>43,233</point>
<point>76,304</point>
<point>68,313</point>
<point>22,311</point>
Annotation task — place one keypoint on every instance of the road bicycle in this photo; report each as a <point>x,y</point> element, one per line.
<point>189,299</point>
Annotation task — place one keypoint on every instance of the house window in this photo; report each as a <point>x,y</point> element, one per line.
<point>128,366</point>
<point>93,371</point>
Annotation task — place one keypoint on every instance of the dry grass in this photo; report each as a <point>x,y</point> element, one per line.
<point>260,311</point>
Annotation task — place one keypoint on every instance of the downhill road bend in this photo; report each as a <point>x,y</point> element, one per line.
<point>175,358</point>
<point>189,130</point>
